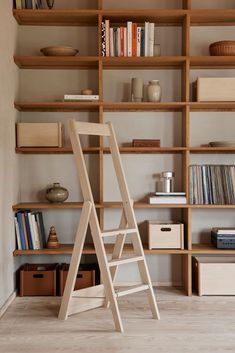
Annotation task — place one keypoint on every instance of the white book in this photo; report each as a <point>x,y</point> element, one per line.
<point>17,234</point>
<point>125,41</point>
<point>129,38</point>
<point>151,38</point>
<point>138,44</point>
<point>32,230</point>
<point>111,42</point>
<point>225,230</point>
<point>36,233</point>
<point>155,200</point>
<point>69,97</point>
<point>107,38</point>
<point>146,39</point>
<point>170,194</point>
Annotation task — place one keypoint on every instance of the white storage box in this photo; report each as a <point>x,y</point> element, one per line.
<point>167,235</point>
<point>214,275</point>
<point>215,89</point>
<point>39,134</point>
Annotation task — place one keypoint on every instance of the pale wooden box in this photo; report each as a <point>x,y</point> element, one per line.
<point>39,134</point>
<point>167,235</point>
<point>214,275</point>
<point>215,89</point>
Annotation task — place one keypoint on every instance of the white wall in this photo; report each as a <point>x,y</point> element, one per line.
<point>9,180</point>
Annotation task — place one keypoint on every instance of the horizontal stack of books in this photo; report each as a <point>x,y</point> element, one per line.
<point>223,238</point>
<point>80,97</point>
<point>168,198</point>
<point>130,40</point>
<point>30,231</point>
<point>212,184</point>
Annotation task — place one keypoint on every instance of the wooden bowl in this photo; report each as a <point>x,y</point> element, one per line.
<point>223,48</point>
<point>59,51</point>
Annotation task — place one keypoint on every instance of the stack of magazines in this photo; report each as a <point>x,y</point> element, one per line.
<point>168,198</point>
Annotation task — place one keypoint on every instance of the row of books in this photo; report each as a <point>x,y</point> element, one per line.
<point>212,184</point>
<point>30,231</point>
<point>131,40</point>
<point>28,4</point>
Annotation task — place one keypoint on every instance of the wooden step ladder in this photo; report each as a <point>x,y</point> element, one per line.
<point>104,294</point>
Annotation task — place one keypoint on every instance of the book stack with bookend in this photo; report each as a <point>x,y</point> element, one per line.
<point>223,238</point>
<point>177,197</point>
<point>30,231</point>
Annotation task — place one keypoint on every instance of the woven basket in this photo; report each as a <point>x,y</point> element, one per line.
<point>223,48</point>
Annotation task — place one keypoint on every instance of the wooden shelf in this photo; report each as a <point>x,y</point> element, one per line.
<point>212,106</point>
<point>143,106</point>
<point>57,62</point>
<point>209,150</point>
<point>213,62</point>
<point>57,106</point>
<point>157,62</point>
<point>47,205</point>
<point>210,249</point>
<point>72,17</point>
<point>54,150</point>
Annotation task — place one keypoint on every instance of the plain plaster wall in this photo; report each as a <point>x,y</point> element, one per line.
<point>9,179</point>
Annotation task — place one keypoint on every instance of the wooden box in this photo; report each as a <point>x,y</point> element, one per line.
<point>86,277</point>
<point>39,135</point>
<point>38,279</point>
<point>167,235</point>
<point>214,275</point>
<point>215,89</point>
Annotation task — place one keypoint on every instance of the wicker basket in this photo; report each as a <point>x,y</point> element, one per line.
<point>223,48</point>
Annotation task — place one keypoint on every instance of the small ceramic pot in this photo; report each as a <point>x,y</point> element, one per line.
<point>57,193</point>
<point>154,91</point>
<point>137,89</point>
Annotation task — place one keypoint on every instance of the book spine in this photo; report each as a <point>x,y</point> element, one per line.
<point>22,240</point>
<point>42,229</point>
<point>134,39</point>
<point>107,39</point>
<point>146,39</point>
<point>29,236</point>
<point>129,38</point>
<point>28,4</point>
<point>142,43</point>
<point>121,41</point>
<point>80,97</point>
<point>151,38</point>
<point>30,217</point>
<point>24,231</point>
<point>103,39</point>
<point>138,39</point>
<point>18,4</point>
<point>191,201</point>
<point>118,42</point>
<point>17,231</point>
<point>125,41</point>
<point>36,234</point>
<point>111,42</point>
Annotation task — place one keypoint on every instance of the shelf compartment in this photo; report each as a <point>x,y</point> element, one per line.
<point>212,17</point>
<point>210,249</point>
<point>157,62</point>
<point>56,62</point>
<point>212,106</point>
<point>209,150</point>
<point>205,62</point>
<point>47,205</point>
<point>161,17</point>
<point>66,249</point>
<point>54,150</point>
<point>57,106</point>
<point>143,106</point>
<point>72,17</point>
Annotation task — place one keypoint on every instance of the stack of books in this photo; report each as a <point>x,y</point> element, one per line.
<point>30,231</point>
<point>168,198</point>
<point>130,40</point>
<point>223,238</point>
<point>212,184</point>
<point>80,97</point>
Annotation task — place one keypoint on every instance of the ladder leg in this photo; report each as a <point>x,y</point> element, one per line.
<point>75,260</point>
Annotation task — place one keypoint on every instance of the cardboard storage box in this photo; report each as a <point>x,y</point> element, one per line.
<point>38,279</point>
<point>167,235</point>
<point>214,275</point>
<point>215,89</point>
<point>39,135</point>
<point>86,277</point>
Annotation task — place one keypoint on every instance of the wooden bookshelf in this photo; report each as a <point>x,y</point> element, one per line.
<point>57,62</point>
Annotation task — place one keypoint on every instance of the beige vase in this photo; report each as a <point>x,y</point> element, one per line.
<point>154,91</point>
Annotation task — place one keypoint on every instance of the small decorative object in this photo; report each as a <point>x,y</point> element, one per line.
<point>87,91</point>
<point>167,181</point>
<point>50,3</point>
<point>154,91</point>
<point>137,89</point>
<point>56,193</point>
<point>222,144</point>
<point>156,49</point>
<point>59,51</point>
<point>223,48</point>
<point>52,241</point>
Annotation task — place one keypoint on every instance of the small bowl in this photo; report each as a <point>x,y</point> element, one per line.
<point>223,48</point>
<point>59,51</point>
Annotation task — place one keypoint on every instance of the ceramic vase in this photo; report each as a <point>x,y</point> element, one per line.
<point>56,193</point>
<point>154,91</point>
<point>137,89</point>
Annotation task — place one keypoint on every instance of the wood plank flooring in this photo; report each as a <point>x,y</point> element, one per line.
<point>188,324</point>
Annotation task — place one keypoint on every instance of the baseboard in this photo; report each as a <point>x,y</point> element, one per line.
<point>6,305</point>
<point>155,284</point>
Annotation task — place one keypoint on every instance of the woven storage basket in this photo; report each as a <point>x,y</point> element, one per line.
<point>223,48</point>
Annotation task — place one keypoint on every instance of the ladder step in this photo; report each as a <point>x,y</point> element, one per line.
<point>111,232</point>
<point>132,289</point>
<point>126,260</point>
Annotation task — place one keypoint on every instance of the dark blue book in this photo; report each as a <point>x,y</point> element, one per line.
<point>19,219</point>
<point>28,230</point>
<point>142,42</point>
<point>28,4</point>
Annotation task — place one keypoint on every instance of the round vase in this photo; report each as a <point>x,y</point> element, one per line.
<point>50,3</point>
<point>154,91</point>
<point>57,193</point>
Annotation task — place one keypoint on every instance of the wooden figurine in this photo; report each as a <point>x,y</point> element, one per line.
<point>52,241</point>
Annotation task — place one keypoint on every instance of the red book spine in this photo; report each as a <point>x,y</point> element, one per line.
<point>122,41</point>
<point>134,39</point>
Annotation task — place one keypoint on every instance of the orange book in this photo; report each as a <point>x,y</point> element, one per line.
<point>134,39</point>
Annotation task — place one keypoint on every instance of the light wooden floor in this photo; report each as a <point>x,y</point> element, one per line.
<point>195,324</point>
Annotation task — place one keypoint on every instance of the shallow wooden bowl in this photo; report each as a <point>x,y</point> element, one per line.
<point>223,48</point>
<point>59,51</point>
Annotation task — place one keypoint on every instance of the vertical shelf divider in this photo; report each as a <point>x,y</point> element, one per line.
<point>187,4</point>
